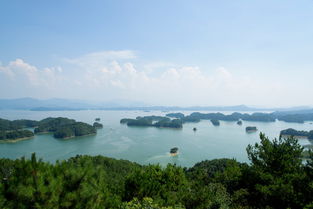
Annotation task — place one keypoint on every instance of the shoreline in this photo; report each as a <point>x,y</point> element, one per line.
<point>297,137</point>
<point>15,140</point>
<point>174,154</point>
<point>72,137</point>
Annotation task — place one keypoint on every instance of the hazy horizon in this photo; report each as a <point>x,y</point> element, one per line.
<point>171,53</point>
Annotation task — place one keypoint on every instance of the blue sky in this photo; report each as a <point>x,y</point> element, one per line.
<point>162,52</point>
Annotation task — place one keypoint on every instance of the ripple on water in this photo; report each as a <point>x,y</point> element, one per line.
<point>122,144</point>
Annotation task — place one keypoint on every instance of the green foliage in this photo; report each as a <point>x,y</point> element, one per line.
<point>251,128</point>
<point>293,132</point>
<point>52,124</point>
<point>7,125</point>
<point>11,130</point>
<point>276,178</point>
<point>160,121</point>
<point>15,134</point>
<point>64,127</point>
<point>146,203</point>
<point>215,122</point>
<point>167,123</point>
<point>277,173</point>
<point>176,115</point>
<point>139,122</point>
<point>166,186</point>
<point>97,125</point>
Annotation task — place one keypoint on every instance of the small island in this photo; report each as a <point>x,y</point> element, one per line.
<point>251,129</point>
<point>64,128</point>
<point>298,134</point>
<point>239,122</point>
<point>174,151</point>
<point>175,115</point>
<point>97,125</point>
<point>290,116</point>
<point>153,121</point>
<point>97,119</point>
<point>15,135</point>
<point>215,122</point>
<point>13,131</point>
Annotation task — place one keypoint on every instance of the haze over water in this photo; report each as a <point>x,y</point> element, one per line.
<point>144,145</point>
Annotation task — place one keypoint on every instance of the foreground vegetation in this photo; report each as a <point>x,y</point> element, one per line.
<point>275,178</point>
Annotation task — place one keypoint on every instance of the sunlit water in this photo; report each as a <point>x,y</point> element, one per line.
<point>144,144</point>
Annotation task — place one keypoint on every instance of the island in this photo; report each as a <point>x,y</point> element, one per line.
<point>295,117</point>
<point>15,135</point>
<point>174,151</point>
<point>64,128</point>
<point>97,119</point>
<point>239,122</point>
<point>175,115</point>
<point>153,121</point>
<point>215,122</point>
<point>251,129</point>
<point>298,134</point>
<point>13,131</point>
<point>97,125</point>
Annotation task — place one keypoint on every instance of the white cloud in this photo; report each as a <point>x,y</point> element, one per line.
<point>98,59</point>
<point>117,75</point>
<point>20,71</point>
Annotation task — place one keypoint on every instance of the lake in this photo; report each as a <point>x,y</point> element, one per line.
<point>144,145</point>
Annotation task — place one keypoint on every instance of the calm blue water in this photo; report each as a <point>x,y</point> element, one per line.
<point>143,144</point>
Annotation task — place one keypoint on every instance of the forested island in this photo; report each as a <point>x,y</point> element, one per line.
<point>251,129</point>
<point>215,122</point>
<point>97,125</point>
<point>59,127</point>
<point>293,132</point>
<point>178,119</point>
<point>258,117</point>
<point>12,131</point>
<point>276,177</point>
<point>64,128</point>
<point>153,121</point>
<point>174,151</point>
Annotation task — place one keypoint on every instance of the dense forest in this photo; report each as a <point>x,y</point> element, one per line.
<point>60,127</point>
<point>215,122</point>
<point>293,132</point>
<point>97,125</point>
<point>155,121</point>
<point>180,118</point>
<point>14,130</point>
<point>64,127</point>
<point>251,129</point>
<point>276,177</point>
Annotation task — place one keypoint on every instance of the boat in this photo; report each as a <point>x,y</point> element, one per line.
<point>174,151</point>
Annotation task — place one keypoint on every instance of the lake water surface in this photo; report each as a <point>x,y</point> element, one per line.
<point>144,145</point>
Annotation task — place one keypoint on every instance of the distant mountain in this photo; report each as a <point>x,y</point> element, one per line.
<point>70,104</point>
<point>31,103</point>
<point>62,104</point>
<point>294,112</point>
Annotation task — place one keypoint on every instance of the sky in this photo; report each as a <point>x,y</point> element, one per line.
<point>161,52</point>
